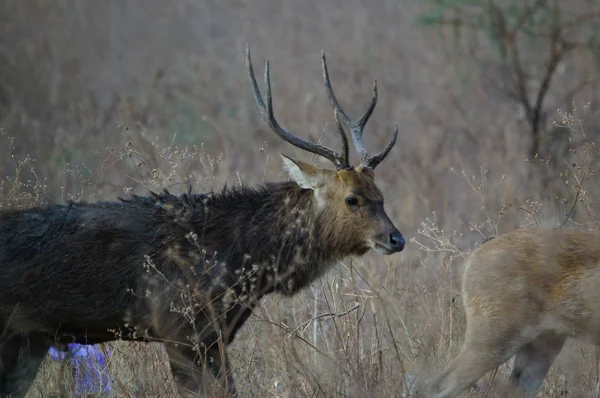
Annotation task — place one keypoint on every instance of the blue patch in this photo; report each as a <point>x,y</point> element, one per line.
<point>88,363</point>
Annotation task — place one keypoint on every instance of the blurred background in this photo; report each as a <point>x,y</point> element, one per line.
<point>497,107</point>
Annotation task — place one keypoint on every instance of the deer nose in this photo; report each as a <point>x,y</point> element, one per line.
<point>397,241</point>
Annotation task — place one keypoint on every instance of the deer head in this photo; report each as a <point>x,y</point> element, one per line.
<point>348,195</point>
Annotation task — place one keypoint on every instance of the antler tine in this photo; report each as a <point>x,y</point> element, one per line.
<point>267,112</point>
<point>345,152</point>
<point>357,127</point>
<point>374,160</point>
<point>332,98</point>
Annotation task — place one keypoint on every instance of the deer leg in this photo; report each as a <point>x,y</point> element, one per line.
<point>217,361</point>
<point>470,365</point>
<point>533,361</point>
<point>20,360</point>
<point>189,369</point>
<point>480,353</point>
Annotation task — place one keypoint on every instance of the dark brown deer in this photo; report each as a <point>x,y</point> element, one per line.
<point>184,270</point>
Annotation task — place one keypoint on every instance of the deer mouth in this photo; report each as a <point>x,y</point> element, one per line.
<point>381,249</point>
<point>391,244</point>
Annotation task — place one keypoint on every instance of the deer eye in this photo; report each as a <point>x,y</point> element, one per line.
<point>352,201</point>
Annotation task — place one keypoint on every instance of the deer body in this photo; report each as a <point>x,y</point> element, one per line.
<point>183,270</point>
<point>524,293</point>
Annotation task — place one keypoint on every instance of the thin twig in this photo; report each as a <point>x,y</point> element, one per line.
<point>331,315</point>
<point>531,214</point>
<point>570,212</point>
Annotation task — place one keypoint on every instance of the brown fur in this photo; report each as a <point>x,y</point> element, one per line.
<point>344,224</point>
<point>524,293</point>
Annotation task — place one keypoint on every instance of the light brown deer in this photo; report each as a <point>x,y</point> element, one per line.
<point>524,293</point>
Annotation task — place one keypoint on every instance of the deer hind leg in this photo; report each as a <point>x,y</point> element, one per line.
<point>468,367</point>
<point>20,360</point>
<point>533,361</point>
<point>485,348</point>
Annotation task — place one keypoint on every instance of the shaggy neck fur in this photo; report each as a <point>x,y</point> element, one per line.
<point>274,236</point>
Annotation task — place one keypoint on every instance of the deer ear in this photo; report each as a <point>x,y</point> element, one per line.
<point>304,174</point>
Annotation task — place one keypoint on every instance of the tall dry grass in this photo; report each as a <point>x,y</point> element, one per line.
<point>106,99</point>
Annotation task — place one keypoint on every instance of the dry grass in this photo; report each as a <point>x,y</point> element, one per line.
<point>130,96</point>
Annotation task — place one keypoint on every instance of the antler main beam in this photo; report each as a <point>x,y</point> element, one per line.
<point>357,127</point>
<point>340,160</point>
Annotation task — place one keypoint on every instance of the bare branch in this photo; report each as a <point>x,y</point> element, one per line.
<point>529,12</point>
<point>330,315</point>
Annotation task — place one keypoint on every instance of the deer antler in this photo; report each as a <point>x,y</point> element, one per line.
<point>340,160</point>
<point>357,127</point>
